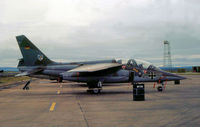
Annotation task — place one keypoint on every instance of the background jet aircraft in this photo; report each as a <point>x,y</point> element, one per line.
<point>36,64</point>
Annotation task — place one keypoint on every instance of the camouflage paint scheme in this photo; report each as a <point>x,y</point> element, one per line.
<point>36,64</point>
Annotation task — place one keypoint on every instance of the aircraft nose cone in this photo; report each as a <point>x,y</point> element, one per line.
<point>181,77</point>
<point>178,77</point>
<point>175,76</point>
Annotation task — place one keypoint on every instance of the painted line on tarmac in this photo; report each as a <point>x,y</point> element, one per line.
<point>52,106</point>
<point>82,112</point>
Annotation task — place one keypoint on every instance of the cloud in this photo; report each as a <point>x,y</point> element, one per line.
<point>93,29</point>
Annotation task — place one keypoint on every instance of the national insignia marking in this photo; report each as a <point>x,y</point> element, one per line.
<point>27,47</point>
<point>40,57</point>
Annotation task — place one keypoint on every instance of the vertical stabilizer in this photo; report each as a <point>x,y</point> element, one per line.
<point>32,56</point>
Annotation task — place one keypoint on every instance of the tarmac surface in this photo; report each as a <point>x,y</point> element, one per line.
<point>51,104</point>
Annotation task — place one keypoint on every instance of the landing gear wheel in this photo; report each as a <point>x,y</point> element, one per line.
<point>160,89</point>
<point>96,91</point>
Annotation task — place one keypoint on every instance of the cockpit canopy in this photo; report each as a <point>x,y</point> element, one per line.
<point>137,63</point>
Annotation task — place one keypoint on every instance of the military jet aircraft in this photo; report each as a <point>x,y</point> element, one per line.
<point>36,64</point>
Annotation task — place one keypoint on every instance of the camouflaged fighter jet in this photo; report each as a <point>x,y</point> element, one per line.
<point>36,64</point>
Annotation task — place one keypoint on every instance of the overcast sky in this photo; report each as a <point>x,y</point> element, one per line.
<point>73,30</point>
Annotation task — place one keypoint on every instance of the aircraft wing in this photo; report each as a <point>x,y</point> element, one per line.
<point>95,67</point>
<point>26,73</point>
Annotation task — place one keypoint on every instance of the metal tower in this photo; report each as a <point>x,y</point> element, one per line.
<point>167,62</point>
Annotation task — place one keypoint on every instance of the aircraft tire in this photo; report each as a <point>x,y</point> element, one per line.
<point>96,91</point>
<point>159,88</point>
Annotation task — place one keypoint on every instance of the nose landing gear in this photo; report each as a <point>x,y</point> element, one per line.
<point>162,87</point>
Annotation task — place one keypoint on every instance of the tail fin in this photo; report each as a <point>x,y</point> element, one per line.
<point>32,56</point>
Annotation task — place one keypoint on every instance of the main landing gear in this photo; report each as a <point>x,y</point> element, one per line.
<point>94,87</point>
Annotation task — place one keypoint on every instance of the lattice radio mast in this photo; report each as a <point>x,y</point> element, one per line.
<point>167,62</point>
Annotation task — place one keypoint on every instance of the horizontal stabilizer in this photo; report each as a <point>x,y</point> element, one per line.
<point>22,74</point>
<point>26,73</point>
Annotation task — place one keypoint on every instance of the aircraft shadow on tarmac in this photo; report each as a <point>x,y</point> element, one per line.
<point>79,92</point>
<point>105,91</point>
<point>85,85</point>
